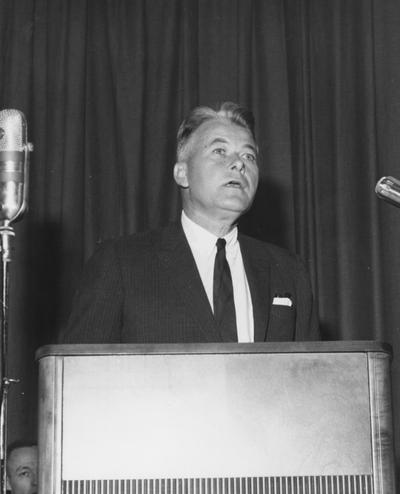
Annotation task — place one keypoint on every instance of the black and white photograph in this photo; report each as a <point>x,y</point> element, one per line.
<point>200,246</point>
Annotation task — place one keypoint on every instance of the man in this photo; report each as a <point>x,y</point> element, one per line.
<point>22,468</point>
<point>163,286</point>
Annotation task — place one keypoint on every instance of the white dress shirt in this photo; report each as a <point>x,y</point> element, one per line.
<point>203,246</point>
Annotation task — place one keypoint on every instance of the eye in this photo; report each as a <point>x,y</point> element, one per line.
<point>25,473</point>
<point>219,151</point>
<point>249,157</point>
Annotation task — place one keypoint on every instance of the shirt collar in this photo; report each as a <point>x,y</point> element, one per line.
<point>201,239</point>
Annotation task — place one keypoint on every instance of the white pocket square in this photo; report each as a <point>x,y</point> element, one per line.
<point>282,301</point>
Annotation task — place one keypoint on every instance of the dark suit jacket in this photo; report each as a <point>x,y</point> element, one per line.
<point>145,288</point>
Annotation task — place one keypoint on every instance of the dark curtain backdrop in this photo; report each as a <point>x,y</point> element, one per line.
<point>104,85</point>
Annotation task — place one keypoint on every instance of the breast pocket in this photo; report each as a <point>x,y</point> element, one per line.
<point>282,323</point>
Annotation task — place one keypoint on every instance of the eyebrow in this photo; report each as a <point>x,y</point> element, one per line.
<point>23,467</point>
<point>222,140</point>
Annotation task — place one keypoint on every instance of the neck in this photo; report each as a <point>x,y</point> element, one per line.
<point>217,227</point>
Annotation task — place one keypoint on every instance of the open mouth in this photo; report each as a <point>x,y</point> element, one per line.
<point>235,184</point>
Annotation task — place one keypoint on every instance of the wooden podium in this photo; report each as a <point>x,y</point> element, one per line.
<point>269,418</point>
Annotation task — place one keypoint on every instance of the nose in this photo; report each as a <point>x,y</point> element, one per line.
<point>238,163</point>
<point>34,480</point>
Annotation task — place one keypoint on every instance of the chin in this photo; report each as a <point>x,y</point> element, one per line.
<point>236,207</point>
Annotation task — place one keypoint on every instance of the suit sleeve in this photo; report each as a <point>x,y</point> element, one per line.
<point>96,315</point>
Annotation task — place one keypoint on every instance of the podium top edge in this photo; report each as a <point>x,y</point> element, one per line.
<point>68,350</point>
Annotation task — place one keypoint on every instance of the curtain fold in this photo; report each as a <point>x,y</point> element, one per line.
<point>104,86</point>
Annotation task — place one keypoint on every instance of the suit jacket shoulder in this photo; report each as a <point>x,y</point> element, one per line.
<point>142,288</point>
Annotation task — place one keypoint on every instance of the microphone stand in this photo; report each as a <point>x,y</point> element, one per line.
<point>14,195</point>
<point>6,237</point>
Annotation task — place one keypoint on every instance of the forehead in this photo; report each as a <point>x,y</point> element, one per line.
<point>23,456</point>
<point>224,130</point>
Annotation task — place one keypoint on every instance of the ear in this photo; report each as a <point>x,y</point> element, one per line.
<point>180,174</point>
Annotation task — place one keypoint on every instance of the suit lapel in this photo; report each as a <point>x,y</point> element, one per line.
<point>176,256</point>
<point>258,276</point>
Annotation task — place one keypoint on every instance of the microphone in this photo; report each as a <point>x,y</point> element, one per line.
<point>14,162</point>
<point>388,188</point>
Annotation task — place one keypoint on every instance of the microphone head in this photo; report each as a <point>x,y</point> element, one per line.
<point>388,188</point>
<point>14,154</point>
<point>13,130</point>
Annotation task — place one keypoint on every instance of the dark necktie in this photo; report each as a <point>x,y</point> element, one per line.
<point>224,306</point>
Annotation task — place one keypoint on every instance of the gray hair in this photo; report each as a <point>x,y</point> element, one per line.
<point>231,111</point>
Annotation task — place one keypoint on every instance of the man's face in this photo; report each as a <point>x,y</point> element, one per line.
<point>22,470</point>
<point>219,171</point>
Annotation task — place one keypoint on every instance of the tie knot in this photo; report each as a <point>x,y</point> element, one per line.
<point>221,242</point>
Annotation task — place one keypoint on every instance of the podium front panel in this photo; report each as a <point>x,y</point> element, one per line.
<point>235,419</point>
